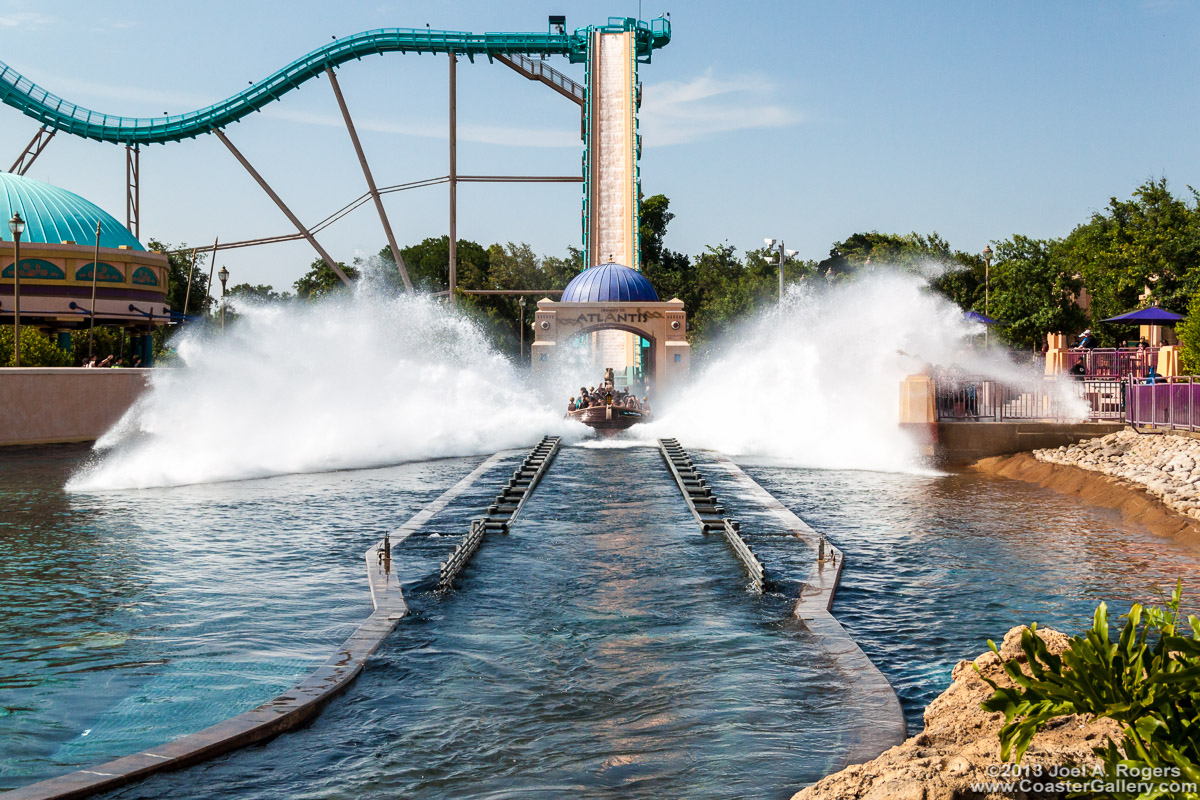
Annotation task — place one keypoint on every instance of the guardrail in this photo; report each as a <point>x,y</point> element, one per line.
<point>1112,362</point>
<point>1172,403</point>
<point>707,509</point>
<point>745,554</point>
<point>964,398</point>
<point>502,513</point>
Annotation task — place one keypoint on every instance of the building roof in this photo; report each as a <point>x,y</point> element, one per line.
<point>54,216</point>
<point>609,283</point>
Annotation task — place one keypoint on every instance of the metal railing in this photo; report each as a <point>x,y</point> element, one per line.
<point>744,554</point>
<point>976,399</point>
<point>502,513</point>
<point>461,555</point>
<point>1113,362</point>
<point>708,511</point>
<point>1172,403</point>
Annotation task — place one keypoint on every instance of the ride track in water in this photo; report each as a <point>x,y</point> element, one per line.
<point>33,101</point>
<point>797,589</point>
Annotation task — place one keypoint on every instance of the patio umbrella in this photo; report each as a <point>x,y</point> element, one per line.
<point>1147,316</point>
<point>975,316</point>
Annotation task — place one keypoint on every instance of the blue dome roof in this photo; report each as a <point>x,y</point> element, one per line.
<point>609,283</point>
<point>54,216</point>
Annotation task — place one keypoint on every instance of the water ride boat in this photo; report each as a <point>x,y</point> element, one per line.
<point>609,419</point>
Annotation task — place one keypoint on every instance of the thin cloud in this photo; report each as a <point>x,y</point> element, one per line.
<point>24,19</point>
<point>680,112</point>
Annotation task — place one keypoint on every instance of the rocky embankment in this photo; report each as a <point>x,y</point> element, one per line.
<point>1153,480</point>
<point>958,753</point>
<point>1166,466</point>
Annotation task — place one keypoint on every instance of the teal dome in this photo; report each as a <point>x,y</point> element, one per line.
<point>54,216</point>
<point>609,283</point>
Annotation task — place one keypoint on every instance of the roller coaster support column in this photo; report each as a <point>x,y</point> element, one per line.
<point>34,149</point>
<point>133,192</point>
<point>362,160</point>
<point>287,212</point>
<point>453,176</point>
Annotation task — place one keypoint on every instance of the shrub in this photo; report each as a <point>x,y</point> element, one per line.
<point>37,349</point>
<point>1189,338</point>
<point>1148,681</point>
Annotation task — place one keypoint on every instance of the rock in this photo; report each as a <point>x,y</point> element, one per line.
<point>961,740</point>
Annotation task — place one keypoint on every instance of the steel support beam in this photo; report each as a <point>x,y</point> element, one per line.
<point>32,150</point>
<point>374,192</point>
<point>453,176</point>
<point>287,212</point>
<point>133,192</point>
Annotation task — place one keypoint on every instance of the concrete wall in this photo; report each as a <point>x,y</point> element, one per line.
<point>960,443</point>
<point>48,405</point>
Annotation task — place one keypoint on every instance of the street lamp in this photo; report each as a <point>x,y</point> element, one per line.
<point>784,256</point>
<point>17,226</point>
<point>521,303</point>
<point>224,276</point>
<point>987,291</point>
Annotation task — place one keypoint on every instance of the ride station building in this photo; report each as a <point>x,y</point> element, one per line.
<point>59,270</point>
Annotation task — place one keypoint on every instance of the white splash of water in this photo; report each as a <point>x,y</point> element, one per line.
<point>367,379</point>
<point>815,381</point>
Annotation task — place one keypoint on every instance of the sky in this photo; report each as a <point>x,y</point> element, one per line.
<point>801,121</point>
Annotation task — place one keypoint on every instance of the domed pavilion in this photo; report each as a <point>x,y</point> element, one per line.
<point>58,267</point>
<point>627,326</point>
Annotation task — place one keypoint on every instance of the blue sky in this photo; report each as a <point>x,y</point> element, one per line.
<point>805,121</point>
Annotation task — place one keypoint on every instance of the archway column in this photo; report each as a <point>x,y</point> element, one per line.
<point>663,324</point>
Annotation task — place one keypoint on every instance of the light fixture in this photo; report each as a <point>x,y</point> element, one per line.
<point>224,276</point>
<point>769,242</point>
<point>16,225</point>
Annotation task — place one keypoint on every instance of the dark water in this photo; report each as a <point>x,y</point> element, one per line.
<point>936,566</point>
<point>130,618</point>
<point>603,649</point>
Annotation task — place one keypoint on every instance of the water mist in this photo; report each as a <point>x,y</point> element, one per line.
<point>359,380</point>
<point>815,381</point>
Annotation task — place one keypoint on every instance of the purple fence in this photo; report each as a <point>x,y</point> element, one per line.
<point>965,398</point>
<point>1164,405</point>
<point>1113,362</point>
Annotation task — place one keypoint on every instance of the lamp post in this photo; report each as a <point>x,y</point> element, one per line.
<point>17,226</point>
<point>987,291</point>
<point>92,307</point>
<point>784,256</point>
<point>521,303</point>
<point>224,276</point>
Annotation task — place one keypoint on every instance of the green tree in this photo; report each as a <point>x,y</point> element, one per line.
<point>1150,242</point>
<point>37,349</point>
<point>429,264</point>
<point>1188,332</point>
<point>320,280</point>
<point>179,267</point>
<point>1033,292</point>
<point>261,292</point>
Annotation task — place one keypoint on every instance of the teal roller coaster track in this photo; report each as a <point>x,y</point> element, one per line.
<point>61,115</point>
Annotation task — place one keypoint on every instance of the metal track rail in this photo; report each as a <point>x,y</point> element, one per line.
<point>58,114</point>
<point>707,509</point>
<point>501,514</point>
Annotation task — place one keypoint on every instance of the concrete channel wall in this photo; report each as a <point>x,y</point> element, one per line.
<point>49,405</point>
<point>883,718</point>
<point>287,711</point>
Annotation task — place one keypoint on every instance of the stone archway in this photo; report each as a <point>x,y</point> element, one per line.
<point>664,325</point>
